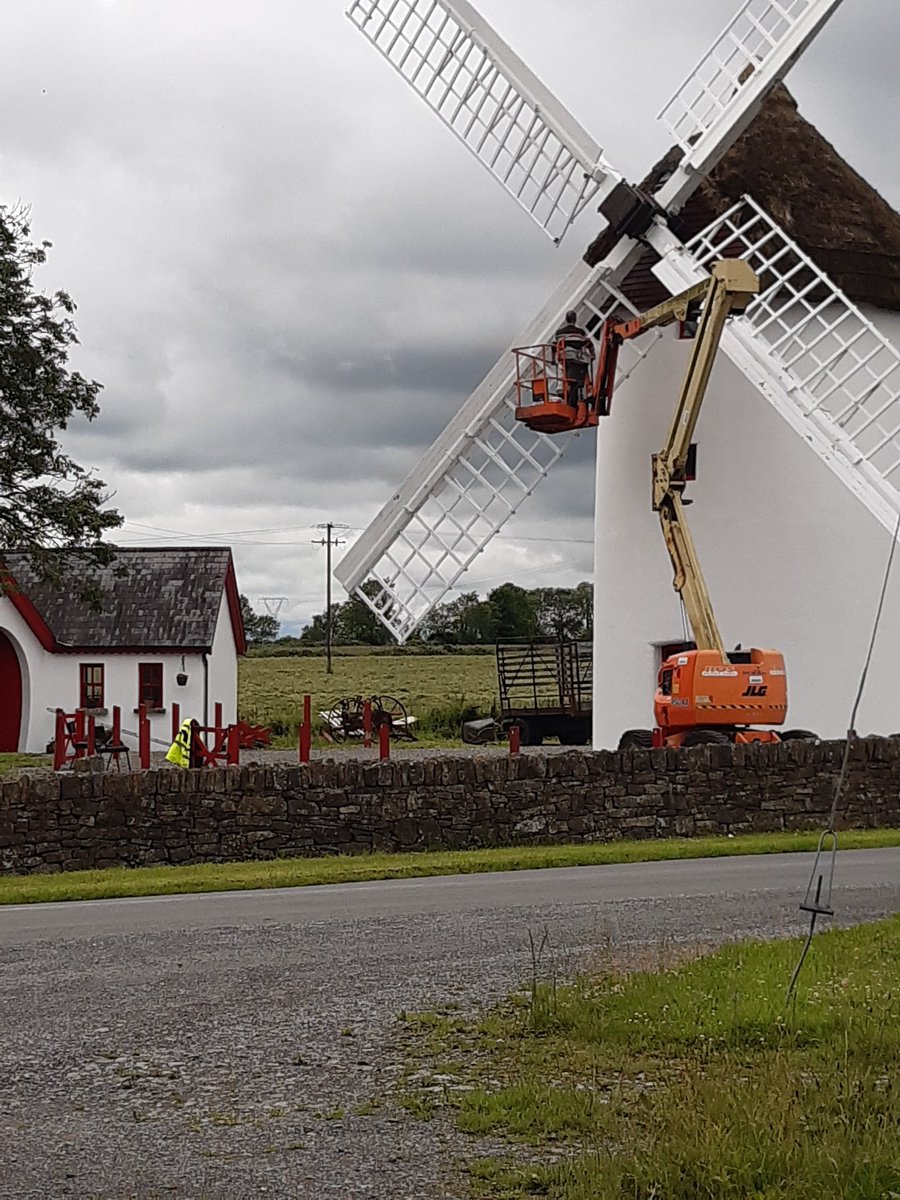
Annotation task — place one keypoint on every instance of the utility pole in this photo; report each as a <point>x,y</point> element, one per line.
<point>328,541</point>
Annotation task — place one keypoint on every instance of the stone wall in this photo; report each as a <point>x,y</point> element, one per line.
<point>62,822</point>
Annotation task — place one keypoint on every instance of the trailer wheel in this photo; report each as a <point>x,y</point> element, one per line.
<point>575,735</point>
<point>707,737</point>
<point>798,735</point>
<point>529,735</point>
<point>636,739</point>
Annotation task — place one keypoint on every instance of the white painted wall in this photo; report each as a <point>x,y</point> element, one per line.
<point>793,560</point>
<point>51,681</point>
<point>223,667</point>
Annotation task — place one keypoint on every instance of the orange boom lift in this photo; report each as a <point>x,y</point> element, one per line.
<point>707,694</point>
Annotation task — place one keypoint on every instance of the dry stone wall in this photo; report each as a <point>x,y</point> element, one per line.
<point>67,821</point>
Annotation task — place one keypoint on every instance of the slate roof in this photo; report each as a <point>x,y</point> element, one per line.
<point>151,598</point>
<point>789,168</point>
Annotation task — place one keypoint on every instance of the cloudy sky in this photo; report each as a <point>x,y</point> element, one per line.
<point>288,274</point>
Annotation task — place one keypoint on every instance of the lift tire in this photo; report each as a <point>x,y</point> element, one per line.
<point>528,734</point>
<point>798,735</point>
<point>636,739</point>
<point>707,737</point>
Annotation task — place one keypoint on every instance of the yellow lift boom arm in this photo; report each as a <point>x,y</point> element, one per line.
<point>728,291</point>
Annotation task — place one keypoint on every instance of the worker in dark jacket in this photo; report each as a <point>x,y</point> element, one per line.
<point>575,353</point>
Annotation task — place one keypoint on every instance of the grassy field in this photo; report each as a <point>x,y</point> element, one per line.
<point>434,688</point>
<point>303,872</point>
<point>686,1083</point>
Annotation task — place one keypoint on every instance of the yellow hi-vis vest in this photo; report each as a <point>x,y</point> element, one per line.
<point>179,752</point>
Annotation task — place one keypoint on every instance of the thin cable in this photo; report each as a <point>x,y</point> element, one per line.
<point>817,901</point>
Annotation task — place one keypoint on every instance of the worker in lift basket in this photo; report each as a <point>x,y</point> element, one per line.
<point>575,353</point>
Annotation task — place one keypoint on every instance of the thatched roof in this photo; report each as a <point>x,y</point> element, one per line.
<point>801,180</point>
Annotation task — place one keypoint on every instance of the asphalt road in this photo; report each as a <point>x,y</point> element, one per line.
<point>230,1045</point>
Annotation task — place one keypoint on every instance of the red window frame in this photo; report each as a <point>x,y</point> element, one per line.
<point>91,685</point>
<point>150,685</point>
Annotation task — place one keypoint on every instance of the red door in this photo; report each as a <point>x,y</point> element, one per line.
<point>10,695</point>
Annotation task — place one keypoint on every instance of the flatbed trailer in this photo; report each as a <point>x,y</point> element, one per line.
<point>546,690</point>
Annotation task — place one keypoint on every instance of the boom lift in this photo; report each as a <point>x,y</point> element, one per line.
<point>706,694</point>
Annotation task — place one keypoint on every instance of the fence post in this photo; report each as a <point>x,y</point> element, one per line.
<point>234,746</point>
<point>367,724</point>
<point>306,731</point>
<point>117,726</point>
<point>59,741</point>
<point>176,719</point>
<point>91,736</point>
<point>79,733</point>
<point>144,739</point>
<point>218,719</point>
<point>515,739</point>
<point>384,740</point>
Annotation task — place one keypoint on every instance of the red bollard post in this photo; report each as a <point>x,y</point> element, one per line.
<point>59,741</point>
<point>91,737</point>
<point>79,733</point>
<point>384,740</point>
<point>515,739</point>
<point>144,741</point>
<point>234,746</point>
<point>306,731</point>
<point>176,719</point>
<point>117,726</point>
<point>367,724</point>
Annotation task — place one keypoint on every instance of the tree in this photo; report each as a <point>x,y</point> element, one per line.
<point>513,612</point>
<point>565,612</point>
<point>258,627</point>
<point>48,502</point>
<point>450,623</point>
<point>356,624</point>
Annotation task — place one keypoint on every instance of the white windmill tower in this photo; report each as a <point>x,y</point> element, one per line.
<point>792,558</point>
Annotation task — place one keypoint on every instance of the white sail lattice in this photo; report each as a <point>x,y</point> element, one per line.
<point>484,464</point>
<point>813,353</point>
<point>472,479</point>
<point>494,104</point>
<point>724,92</point>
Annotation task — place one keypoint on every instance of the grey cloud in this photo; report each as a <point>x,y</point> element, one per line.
<point>289,276</point>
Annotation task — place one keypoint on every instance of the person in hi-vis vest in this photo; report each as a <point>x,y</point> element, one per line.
<point>182,752</point>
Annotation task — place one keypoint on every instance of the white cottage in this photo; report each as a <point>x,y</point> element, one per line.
<point>169,630</point>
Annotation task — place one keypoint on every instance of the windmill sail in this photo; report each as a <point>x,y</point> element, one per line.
<point>724,92</point>
<point>475,475</point>
<point>494,104</point>
<point>813,354</point>
<point>472,479</point>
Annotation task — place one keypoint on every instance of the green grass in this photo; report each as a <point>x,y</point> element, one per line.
<point>303,872</point>
<point>15,762</point>
<point>433,688</point>
<point>690,1082</point>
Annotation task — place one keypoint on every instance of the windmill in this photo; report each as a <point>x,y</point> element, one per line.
<point>820,362</point>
